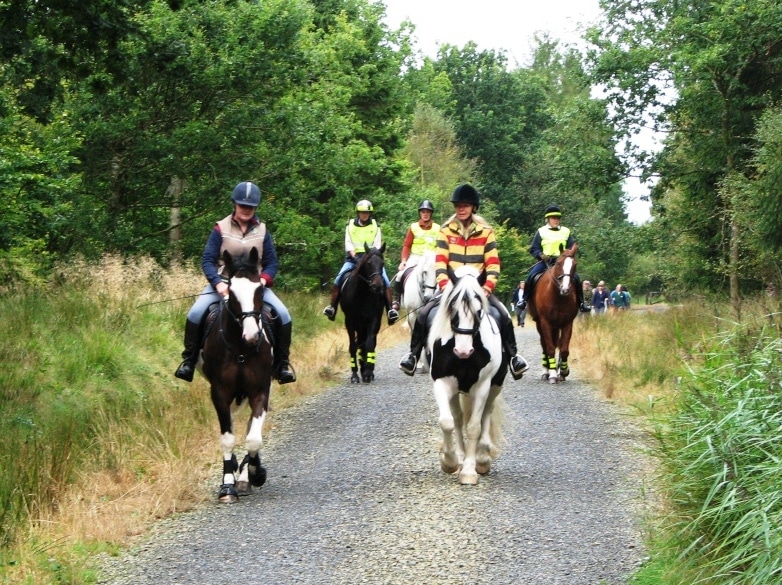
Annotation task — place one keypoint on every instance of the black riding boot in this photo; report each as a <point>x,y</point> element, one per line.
<point>397,293</point>
<point>391,307</point>
<point>331,309</point>
<point>186,369</point>
<point>517,365</point>
<point>283,370</point>
<point>417,340</point>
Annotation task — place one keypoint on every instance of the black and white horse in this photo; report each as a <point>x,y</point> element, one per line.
<point>468,368</point>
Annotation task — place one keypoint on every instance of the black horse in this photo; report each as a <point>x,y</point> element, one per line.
<point>237,361</point>
<point>362,301</point>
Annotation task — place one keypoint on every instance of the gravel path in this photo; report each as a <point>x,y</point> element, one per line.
<point>355,495</point>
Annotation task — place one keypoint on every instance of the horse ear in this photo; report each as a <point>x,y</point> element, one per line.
<point>227,258</point>
<point>561,247</point>
<point>366,247</point>
<point>575,248</point>
<point>254,255</point>
<point>383,249</point>
<point>451,274</point>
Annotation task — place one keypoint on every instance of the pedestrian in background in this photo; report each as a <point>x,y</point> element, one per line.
<point>600,298</point>
<point>519,302</point>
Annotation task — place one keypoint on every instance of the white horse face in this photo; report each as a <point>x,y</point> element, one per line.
<point>246,293</point>
<point>465,322</point>
<point>427,280</point>
<point>567,276</point>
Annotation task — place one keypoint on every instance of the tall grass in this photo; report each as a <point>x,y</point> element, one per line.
<point>717,436</point>
<point>97,438</point>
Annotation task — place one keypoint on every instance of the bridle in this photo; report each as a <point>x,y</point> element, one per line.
<point>476,321</point>
<point>239,320</point>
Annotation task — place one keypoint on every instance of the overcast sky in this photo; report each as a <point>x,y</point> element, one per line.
<point>510,25</point>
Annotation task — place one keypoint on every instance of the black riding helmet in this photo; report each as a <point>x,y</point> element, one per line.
<point>553,211</point>
<point>466,194</point>
<point>426,205</point>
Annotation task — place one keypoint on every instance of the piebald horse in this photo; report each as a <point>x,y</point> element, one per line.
<point>237,361</point>
<point>468,367</point>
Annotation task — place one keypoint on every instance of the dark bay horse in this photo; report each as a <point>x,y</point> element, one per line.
<point>362,301</point>
<point>553,306</point>
<point>468,367</point>
<point>237,361</point>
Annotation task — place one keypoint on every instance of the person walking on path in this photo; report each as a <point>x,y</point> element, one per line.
<point>601,298</point>
<point>519,302</point>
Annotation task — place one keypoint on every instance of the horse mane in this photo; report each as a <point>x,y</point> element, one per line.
<point>462,288</point>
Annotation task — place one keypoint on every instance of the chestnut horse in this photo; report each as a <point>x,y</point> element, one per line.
<point>362,301</point>
<point>468,367</point>
<point>553,306</point>
<point>237,361</point>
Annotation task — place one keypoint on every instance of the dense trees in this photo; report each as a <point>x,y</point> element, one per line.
<point>124,125</point>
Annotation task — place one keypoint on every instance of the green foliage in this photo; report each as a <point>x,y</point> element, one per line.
<point>722,451</point>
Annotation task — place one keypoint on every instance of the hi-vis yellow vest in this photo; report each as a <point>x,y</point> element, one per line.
<point>362,234</point>
<point>551,239</point>
<point>423,240</point>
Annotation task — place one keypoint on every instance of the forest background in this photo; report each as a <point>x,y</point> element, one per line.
<point>124,126</point>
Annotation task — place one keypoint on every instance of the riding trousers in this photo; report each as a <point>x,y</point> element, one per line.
<point>211,296</point>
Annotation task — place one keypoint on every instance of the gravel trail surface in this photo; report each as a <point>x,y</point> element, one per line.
<point>355,495</point>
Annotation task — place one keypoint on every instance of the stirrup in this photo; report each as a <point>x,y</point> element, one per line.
<point>285,373</point>
<point>185,371</point>
<point>405,364</point>
<point>393,316</point>
<point>330,312</point>
<point>517,372</point>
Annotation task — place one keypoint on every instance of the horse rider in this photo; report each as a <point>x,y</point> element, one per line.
<point>238,233</point>
<point>545,248</point>
<point>421,237</point>
<point>466,239</point>
<point>362,229</point>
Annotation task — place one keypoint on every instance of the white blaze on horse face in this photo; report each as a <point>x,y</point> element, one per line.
<point>244,291</point>
<point>567,268</point>
<point>468,315</point>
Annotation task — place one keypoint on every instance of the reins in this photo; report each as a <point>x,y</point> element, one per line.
<point>240,357</point>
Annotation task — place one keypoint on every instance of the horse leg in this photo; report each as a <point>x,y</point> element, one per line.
<point>251,472</point>
<point>479,394</point>
<point>564,351</point>
<point>486,448</point>
<point>227,493</point>
<point>368,367</point>
<point>444,395</point>
<point>547,334</point>
<point>353,349</point>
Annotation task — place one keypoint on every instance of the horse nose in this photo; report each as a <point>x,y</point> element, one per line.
<point>463,353</point>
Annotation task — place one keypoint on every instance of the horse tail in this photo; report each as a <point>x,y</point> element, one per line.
<point>497,422</point>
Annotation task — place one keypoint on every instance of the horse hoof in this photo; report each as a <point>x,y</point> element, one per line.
<point>257,476</point>
<point>553,380</point>
<point>448,466</point>
<point>354,379</point>
<point>468,478</point>
<point>544,377</point>
<point>228,494</point>
<point>243,488</point>
<point>483,468</point>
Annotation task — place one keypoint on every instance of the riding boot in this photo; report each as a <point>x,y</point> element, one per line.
<point>284,372</point>
<point>397,294</point>
<point>392,307</point>
<point>331,309</point>
<point>517,365</point>
<point>417,340</point>
<point>186,369</point>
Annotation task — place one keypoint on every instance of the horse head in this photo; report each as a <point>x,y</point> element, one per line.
<point>565,269</point>
<point>370,268</point>
<point>465,306</point>
<point>426,276</point>
<point>245,294</point>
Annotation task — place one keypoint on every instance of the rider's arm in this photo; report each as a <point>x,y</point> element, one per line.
<point>269,261</point>
<point>210,259</point>
<point>491,263</point>
<point>536,247</point>
<point>349,247</point>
